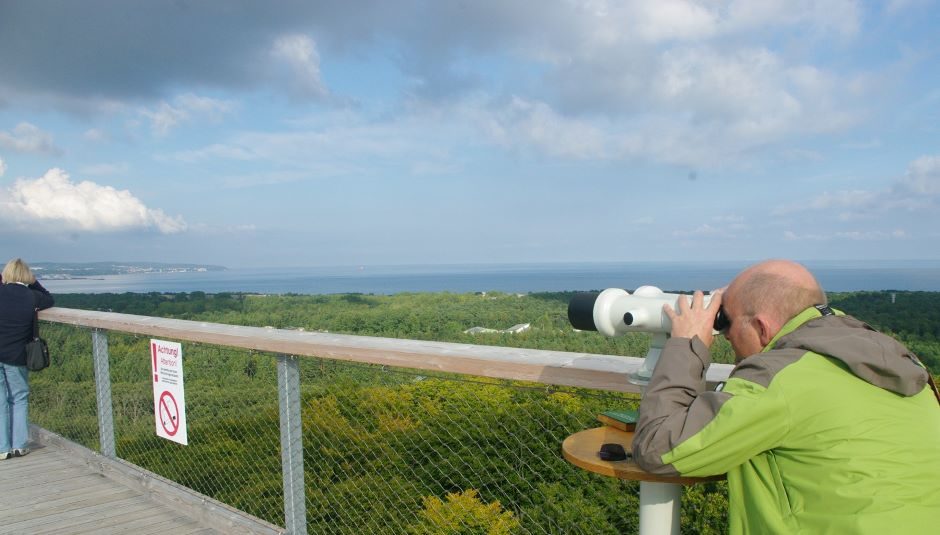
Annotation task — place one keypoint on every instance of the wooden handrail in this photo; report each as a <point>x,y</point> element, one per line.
<point>601,372</point>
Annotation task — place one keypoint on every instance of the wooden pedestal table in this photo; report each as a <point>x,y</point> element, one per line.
<point>660,496</point>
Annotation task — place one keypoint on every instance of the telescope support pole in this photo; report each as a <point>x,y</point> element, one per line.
<point>660,503</point>
<point>659,508</point>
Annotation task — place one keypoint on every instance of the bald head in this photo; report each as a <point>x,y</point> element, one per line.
<point>778,289</point>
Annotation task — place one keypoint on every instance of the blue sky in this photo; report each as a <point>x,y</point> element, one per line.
<point>368,132</point>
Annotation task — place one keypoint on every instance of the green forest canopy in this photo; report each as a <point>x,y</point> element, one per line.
<point>912,317</point>
<point>434,454</point>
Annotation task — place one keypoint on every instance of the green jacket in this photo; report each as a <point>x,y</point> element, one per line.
<point>831,429</point>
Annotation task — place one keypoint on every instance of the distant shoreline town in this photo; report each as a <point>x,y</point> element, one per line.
<point>67,271</point>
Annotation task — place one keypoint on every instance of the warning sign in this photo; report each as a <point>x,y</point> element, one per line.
<point>169,404</point>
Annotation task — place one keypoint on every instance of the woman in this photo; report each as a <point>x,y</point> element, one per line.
<point>20,296</point>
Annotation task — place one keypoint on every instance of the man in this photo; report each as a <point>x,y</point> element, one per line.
<point>824,426</point>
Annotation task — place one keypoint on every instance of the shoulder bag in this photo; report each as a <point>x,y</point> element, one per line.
<point>37,352</point>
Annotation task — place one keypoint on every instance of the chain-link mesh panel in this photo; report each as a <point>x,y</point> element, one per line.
<point>233,452</point>
<point>385,450</point>
<point>396,452</point>
<point>62,397</point>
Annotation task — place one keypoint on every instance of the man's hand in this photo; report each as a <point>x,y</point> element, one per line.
<point>695,319</point>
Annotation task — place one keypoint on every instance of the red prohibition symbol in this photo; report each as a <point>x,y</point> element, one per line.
<point>169,413</point>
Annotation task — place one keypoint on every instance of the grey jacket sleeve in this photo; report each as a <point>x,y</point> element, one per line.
<point>675,405</point>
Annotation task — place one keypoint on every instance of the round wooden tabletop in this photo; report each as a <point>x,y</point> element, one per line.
<point>581,449</point>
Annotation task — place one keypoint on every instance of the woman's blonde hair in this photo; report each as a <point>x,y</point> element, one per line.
<point>17,271</point>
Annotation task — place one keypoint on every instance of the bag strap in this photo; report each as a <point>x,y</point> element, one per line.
<point>933,386</point>
<point>35,316</point>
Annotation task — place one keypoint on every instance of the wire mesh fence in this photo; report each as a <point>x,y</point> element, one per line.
<point>62,397</point>
<point>393,451</point>
<point>384,450</point>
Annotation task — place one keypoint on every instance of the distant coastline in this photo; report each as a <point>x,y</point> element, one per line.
<point>96,270</point>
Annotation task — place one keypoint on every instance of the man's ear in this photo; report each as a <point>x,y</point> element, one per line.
<point>765,331</point>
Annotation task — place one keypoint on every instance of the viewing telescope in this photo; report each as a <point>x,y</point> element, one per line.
<point>615,312</point>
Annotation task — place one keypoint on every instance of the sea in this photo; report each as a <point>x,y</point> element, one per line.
<point>839,276</point>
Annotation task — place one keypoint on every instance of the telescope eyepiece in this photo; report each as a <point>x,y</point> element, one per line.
<point>722,322</point>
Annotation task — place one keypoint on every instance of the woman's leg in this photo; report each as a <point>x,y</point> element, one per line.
<point>18,387</point>
<point>5,421</point>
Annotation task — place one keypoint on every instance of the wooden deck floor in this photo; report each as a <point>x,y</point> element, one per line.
<point>47,492</point>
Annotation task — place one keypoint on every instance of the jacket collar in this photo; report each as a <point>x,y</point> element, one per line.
<point>795,323</point>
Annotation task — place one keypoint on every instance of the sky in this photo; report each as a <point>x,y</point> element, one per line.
<point>370,132</point>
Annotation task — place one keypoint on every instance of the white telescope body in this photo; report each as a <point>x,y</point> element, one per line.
<point>615,312</point>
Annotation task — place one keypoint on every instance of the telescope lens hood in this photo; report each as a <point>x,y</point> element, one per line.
<point>581,311</point>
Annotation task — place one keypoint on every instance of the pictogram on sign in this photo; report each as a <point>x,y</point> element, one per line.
<point>169,413</point>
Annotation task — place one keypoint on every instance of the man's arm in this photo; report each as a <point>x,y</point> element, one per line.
<point>675,405</point>
<point>685,430</point>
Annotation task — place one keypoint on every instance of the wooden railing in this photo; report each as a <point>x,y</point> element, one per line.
<point>601,372</point>
<point>598,372</point>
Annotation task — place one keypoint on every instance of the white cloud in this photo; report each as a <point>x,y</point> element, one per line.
<point>923,176</point>
<point>873,143</point>
<point>204,106</point>
<point>826,201</point>
<point>215,151</point>
<point>699,104</point>
<point>731,222</point>
<point>3,167</point>
<point>95,135</point>
<point>896,6</point>
<point>703,231</point>
<point>164,118</point>
<point>840,16</point>
<point>103,169</point>
<point>433,168</point>
<point>749,94</point>
<point>852,235</point>
<point>523,123</point>
<point>28,138</point>
<point>54,202</point>
<point>917,192</point>
<point>660,20</point>
<point>801,155</point>
<point>185,108</point>
<point>298,54</point>
<point>873,235</point>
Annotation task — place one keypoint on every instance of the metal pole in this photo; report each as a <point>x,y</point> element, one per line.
<point>292,448</point>
<point>660,503</point>
<point>99,342</point>
<point>659,508</point>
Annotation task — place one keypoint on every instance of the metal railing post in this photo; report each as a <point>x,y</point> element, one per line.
<point>99,341</point>
<point>292,448</point>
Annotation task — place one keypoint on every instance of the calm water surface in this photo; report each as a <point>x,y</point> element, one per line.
<point>521,278</point>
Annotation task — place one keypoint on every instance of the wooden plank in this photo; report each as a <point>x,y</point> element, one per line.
<point>56,518</point>
<point>128,522</point>
<point>160,521</point>
<point>176,526</point>
<point>206,511</point>
<point>602,372</point>
<point>80,500</point>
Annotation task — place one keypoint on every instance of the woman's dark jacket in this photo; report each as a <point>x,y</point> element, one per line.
<point>17,303</point>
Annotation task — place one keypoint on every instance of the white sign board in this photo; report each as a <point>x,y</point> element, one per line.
<point>169,402</point>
